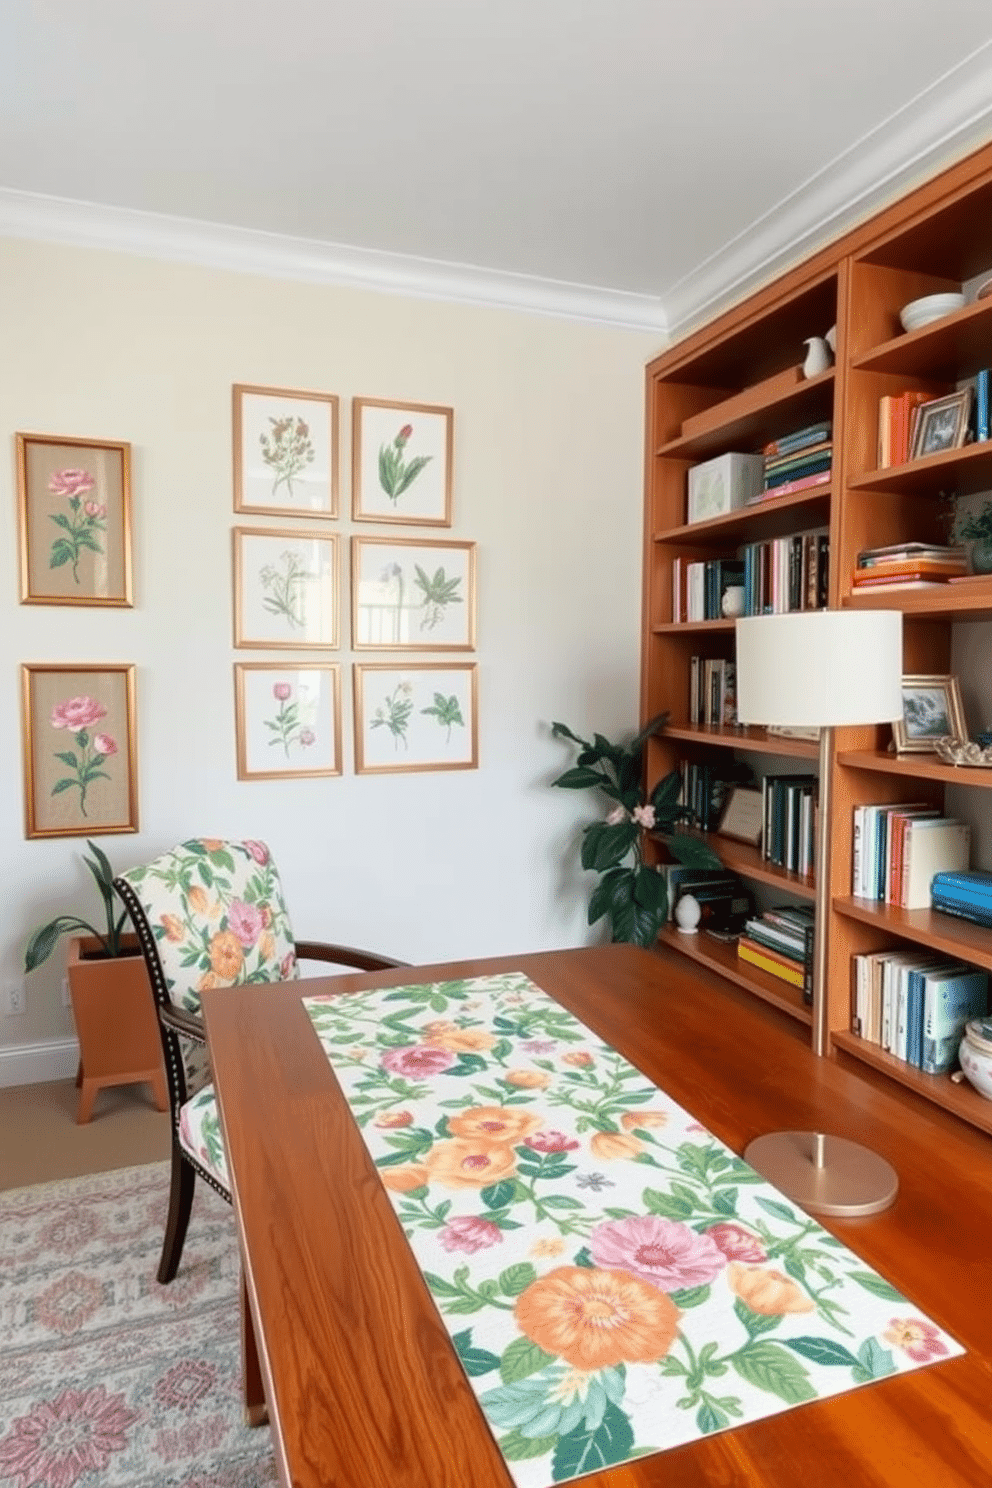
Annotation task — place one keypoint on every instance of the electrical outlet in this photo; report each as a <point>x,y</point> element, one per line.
<point>14,998</point>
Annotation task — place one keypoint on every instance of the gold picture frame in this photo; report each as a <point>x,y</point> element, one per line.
<point>932,709</point>
<point>420,716</point>
<point>743,816</point>
<point>80,749</point>
<point>412,594</point>
<point>286,453</point>
<point>401,462</point>
<point>287,589</point>
<point>941,424</point>
<point>287,719</point>
<point>74,510</point>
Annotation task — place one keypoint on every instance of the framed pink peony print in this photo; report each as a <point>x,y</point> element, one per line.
<point>288,719</point>
<point>74,506</point>
<point>80,750</point>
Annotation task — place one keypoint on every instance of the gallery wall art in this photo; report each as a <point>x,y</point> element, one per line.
<point>74,505</point>
<point>80,749</point>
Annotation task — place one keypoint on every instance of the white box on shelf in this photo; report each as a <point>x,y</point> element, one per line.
<point>719,486</point>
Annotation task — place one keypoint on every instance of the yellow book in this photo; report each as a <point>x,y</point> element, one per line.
<point>766,963</point>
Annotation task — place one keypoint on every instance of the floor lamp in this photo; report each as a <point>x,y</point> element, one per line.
<point>821,668</point>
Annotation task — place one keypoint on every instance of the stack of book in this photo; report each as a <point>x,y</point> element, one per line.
<point>915,1005</point>
<point>788,837</point>
<point>897,851</point>
<point>780,941</point>
<point>797,462</point>
<point>896,425</point>
<point>909,565</point>
<point>704,789</point>
<point>698,587</point>
<point>712,691</point>
<point>786,574</point>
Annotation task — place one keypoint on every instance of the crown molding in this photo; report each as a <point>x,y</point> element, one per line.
<point>183,240</point>
<point>943,123</point>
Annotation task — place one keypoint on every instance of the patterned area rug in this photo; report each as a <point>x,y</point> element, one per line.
<point>106,1377</point>
<point>614,1279</point>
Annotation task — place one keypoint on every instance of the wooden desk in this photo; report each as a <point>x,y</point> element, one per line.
<point>362,1385</point>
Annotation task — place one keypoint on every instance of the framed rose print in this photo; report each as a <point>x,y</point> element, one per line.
<point>288,719</point>
<point>80,750</point>
<point>401,459</point>
<point>423,716</point>
<point>74,505</point>
<point>285,452</point>
<point>286,588</point>
<point>412,593</point>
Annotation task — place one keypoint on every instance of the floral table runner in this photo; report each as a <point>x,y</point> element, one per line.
<point>614,1279</point>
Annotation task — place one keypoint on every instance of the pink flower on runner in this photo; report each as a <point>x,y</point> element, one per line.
<point>104,744</point>
<point>550,1141</point>
<point>246,921</point>
<point>737,1243</point>
<point>70,482</point>
<point>919,1339</point>
<point>661,1251</point>
<point>77,713</point>
<point>418,1061</point>
<point>62,1440</point>
<point>388,1120</point>
<point>258,850</point>
<point>470,1233</point>
<point>644,816</point>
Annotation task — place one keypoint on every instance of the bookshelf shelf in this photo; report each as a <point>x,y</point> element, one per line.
<point>762,413</point>
<point>944,350</point>
<point>742,858</point>
<point>753,740</point>
<point>927,927</point>
<point>945,602</point>
<point>970,466</point>
<point>961,1099</point>
<point>915,767</point>
<point>776,516</point>
<point>722,957</point>
<point>695,627</point>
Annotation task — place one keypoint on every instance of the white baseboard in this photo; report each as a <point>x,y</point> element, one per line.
<point>30,1064</point>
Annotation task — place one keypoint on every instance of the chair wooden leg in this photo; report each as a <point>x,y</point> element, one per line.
<point>181,1187</point>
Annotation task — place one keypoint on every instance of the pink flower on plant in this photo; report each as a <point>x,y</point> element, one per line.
<point>644,817</point>
<point>281,690</point>
<point>307,737</point>
<point>77,713</point>
<point>258,850</point>
<point>62,1440</point>
<point>919,1339</point>
<point>417,1061</point>
<point>737,1243</point>
<point>551,1141</point>
<point>104,744</point>
<point>661,1251</point>
<point>470,1233</point>
<point>246,921</point>
<point>94,509</point>
<point>70,482</point>
<point>616,816</point>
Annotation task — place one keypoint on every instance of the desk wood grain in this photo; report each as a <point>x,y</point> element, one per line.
<point>362,1384</point>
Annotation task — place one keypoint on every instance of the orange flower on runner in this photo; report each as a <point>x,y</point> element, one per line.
<point>461,1040</point>
<point>578,1058</point>
<point>527,1079</point>
<point>646,1120</point>
<point>767,1292</point>
<point>226,955</point>
<point>615,1144</point>
<point>403,1180</point>
<point>501,1125</point>
<point>597,1319</point>
<point>389,1120</point>
<point>468,1164</point>
<point>546,1249</point>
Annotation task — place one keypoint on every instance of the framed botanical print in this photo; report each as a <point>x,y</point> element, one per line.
<point>408,593</point>
<point>80,750</point>
<point>285,452</point>
<point>286,588</point>
<point>422,716</point>
<point>74,500</point>
<point>288,719</point>
<point>401,455</point>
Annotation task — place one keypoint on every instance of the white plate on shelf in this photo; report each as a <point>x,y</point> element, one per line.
<point>931,307</point>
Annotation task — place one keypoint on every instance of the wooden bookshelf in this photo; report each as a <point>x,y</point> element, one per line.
<point>721,956</point>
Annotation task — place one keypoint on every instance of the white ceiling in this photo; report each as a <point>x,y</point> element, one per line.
<point>634,161</point>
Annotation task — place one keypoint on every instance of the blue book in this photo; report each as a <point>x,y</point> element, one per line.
<point>914,1018</point>
<point>982,404</point>
<point>950,998</point>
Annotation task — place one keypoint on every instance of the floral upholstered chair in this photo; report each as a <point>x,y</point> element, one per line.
<point>210,914</point>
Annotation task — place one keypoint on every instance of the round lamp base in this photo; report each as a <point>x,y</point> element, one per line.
<point>850,1179</point>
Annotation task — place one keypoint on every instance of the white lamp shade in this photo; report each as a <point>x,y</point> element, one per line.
<point>820,668</point>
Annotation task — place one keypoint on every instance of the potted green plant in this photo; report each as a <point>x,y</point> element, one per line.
<point>976,528</point>
<point>112,1004</point>
<point>632,893</point>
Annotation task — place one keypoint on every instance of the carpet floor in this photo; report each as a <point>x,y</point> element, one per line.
<point>106,1377</point>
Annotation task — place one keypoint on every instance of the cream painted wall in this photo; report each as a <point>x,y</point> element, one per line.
<point>548,482</point>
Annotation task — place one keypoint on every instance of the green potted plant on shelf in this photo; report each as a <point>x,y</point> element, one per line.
<point>631,892</point>
<point>112,1004</point>
<point>976,528</point>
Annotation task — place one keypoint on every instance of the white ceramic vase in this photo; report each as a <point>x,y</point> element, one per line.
<point>818,356</point>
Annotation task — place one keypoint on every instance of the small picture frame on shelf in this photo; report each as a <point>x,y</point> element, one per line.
<point>941,424</point>
<point>931,709</point>
<point>742,816</point>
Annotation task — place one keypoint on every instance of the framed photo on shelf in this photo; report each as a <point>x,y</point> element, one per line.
<point>286,588</point>
<point>74,502</point>
<point>409,593</point>
<point>288,719</point>
<point>931,709</point>
<point>941,424</point>
<point>742,816</point>
<point>285,452</point>
<point>423,716</point>
<point>80,750</point>
<point>401,455</point>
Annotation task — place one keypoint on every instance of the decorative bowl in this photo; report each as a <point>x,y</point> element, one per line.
<point>975,1055</point>
<point>958,752</point>
<point>931,307</point>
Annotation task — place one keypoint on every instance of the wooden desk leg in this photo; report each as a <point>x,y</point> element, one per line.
<point>256,1410</point>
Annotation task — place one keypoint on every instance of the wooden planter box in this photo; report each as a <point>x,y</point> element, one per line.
<point>116,1021</point>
